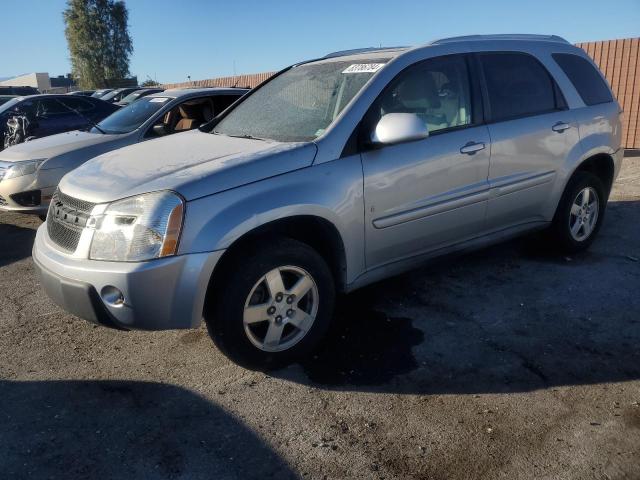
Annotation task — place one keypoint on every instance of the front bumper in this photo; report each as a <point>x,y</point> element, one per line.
<point>24,183</point>
<point>166,293</point>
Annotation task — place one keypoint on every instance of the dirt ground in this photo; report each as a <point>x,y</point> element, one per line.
<point>505,363</point>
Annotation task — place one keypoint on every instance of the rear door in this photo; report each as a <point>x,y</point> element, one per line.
<point>429,193</point>
<point>532,132</point>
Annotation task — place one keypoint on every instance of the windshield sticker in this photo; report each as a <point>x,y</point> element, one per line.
<point>363,68</point>
<point>158,100</point>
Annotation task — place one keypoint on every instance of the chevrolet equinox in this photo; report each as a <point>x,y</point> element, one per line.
<point>334,173</point>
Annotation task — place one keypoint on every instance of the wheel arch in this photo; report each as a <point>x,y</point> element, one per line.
<point>315,231</point>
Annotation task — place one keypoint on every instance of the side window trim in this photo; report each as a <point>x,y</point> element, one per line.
<point>355,144</point>
<point>560,103</point>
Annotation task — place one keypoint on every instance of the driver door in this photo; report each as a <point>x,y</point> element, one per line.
<point>429,193</point>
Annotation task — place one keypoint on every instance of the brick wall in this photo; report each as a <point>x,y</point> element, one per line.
<point>619,60</point>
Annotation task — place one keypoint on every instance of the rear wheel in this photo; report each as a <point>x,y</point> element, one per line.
<point>580,213</point>
<point>276,307</point>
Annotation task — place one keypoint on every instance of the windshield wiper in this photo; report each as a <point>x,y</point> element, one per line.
<point>249,137</point>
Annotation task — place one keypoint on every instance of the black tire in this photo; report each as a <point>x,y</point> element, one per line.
<point>559,234</point>
<point>225,307</point>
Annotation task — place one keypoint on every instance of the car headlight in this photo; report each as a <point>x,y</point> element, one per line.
<point>138,228</point>
<point>19,169</point>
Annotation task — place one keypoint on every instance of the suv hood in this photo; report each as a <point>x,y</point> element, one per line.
<point>54,145</point>
<point>194,164</point>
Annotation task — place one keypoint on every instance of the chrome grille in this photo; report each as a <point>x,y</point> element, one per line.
<point>66,218</point>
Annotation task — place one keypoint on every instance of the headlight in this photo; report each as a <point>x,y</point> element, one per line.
<point>138,228</point>
<point>19,169</point>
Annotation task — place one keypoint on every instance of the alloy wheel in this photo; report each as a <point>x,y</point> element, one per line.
<point>280,308</point>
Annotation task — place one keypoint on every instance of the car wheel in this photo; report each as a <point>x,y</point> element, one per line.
<point>275,307</point>
<point>579,214</point>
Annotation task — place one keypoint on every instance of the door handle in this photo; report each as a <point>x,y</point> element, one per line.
<point>472,147</point>
<point>560,127</point>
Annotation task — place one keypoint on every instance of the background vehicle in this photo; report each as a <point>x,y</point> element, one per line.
<point>43,115</point>
<point>102,92</point>
<point>32,170</point>
<point>19,91</point>
<point>133,96</point>
<point>6,98</point>
<point>334,174</point>
<point>83,93</point>
<point>118,94</point>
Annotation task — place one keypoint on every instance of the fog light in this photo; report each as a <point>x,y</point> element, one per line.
<point>27,199</point>
<point>112,296</point>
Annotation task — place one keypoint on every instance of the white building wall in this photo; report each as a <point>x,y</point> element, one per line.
<point>41,81</point>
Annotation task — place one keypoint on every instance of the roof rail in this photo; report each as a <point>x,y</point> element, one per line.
<point>506,36</point>
<point>355,51</point>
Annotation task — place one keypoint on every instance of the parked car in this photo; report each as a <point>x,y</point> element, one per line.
<point>35,116</point>
<point>18,91</point>
<point>82,93</point>
<point>6,98</point>
<point>118,94</point>
<point>32,170</point>
<point>102,92</point>
<point>133,96</point>
<point>333,174</point>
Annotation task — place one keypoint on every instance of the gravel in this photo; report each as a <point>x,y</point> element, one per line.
<point>507,363</point>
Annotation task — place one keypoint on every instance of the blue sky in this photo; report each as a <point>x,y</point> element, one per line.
<point>204,39</point>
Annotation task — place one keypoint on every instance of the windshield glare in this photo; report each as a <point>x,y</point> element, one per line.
<point>130,117</point>
<point>299,105</point>
<point>7,105</point>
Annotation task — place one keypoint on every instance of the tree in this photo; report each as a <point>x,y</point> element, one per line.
<point>99,41</point>
<point>149,82</point>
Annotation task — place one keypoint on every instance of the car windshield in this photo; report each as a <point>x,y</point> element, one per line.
<point>131,97</point>
<point>7,105</point>
<point>130,117</point>
<point>299,104</point>
<point>5,98</point>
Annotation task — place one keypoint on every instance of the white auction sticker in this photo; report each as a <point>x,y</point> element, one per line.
<point>158,100</point>
<point>363,68</point>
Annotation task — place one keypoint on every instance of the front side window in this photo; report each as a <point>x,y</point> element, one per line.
<point>436,90</point>
<point>585,78</point>
<point>517,85</point>
<point>301,103</point>
<point>130,117</point>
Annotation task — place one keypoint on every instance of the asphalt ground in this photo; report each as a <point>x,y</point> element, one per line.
<point>509,362</point>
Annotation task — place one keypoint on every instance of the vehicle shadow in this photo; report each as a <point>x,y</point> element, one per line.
<point>505,319</point>
<point>15,242</point>
<point>125,429</point>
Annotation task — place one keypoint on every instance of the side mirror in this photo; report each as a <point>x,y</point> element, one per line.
<point>159,130</point>
<point>398,128</point>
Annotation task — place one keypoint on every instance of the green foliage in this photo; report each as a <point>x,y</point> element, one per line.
<point>99,41</point>
<point>149,82</point>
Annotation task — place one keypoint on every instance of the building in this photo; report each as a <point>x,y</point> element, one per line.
<point>619,60</point>
<point>40,81</point>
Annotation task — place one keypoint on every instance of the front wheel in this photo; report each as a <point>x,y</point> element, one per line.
<point>274,304</point>
<point>580,213</point>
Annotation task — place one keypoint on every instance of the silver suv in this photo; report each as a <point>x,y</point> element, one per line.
<point>335,173</point>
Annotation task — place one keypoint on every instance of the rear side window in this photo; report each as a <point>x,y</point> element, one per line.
<point>518,85</point>
<point>588,82</point>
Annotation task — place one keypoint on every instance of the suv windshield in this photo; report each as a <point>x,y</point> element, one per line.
<point>299,105</point>
<point>130,117</point>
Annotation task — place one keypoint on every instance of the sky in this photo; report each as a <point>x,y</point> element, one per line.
<point>174,39</point>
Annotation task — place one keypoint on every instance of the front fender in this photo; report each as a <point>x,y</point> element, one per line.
<point>332,191</point>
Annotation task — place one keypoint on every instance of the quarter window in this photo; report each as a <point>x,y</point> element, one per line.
<point>517,85</point>
<point>436,90</point>
<point>585,78</point>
